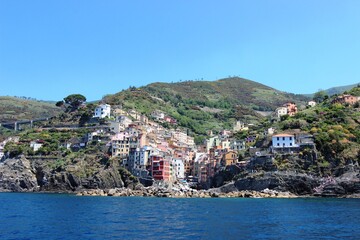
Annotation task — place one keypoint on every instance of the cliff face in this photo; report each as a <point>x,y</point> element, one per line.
<point>301,184</point>
<point>16,175</point>
<point>24,175</point>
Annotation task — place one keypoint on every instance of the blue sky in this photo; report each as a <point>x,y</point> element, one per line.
<point>50,49</point>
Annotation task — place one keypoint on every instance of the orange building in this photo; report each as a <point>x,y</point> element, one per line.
<point>346,99</point>
<point>230,158</point>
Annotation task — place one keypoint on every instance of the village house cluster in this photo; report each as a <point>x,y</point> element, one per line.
<point>150,151</point>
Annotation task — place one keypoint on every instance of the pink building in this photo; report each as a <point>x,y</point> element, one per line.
<point>291,108</point>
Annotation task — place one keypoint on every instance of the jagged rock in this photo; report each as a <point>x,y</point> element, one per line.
<point>17,175</point>
<point>299,184</point>
<point>333,190</point>
<point>21,174</point>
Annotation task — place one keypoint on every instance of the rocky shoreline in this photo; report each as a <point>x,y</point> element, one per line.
<point>151,192</point>
<point>22,175</point>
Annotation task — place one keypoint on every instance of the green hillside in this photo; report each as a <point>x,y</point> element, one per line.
<point>204,105</point>
<point>12,109</point>
<point>336,128</point>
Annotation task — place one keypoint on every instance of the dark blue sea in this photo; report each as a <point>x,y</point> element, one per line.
<point>61,216</point>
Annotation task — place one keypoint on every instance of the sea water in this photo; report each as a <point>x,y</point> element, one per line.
<point>62,216</point>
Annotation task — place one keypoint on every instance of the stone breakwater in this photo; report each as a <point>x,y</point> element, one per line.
<point>151,192</point>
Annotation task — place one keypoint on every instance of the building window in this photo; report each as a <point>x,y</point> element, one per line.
<point>290,144</point>
<point>278,144</point>
<point>284,138</point>
<point>278,138</point>
<point>290,138</point>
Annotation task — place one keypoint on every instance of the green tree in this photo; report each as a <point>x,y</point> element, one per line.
<point>320,96</point>
<point>59,103</point>
<point>75,100</point>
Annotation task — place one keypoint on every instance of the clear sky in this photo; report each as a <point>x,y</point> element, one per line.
<point>50,49</point>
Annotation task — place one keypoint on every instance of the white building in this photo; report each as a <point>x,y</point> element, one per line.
<point>281,111</point>
<point>158,115</point>
<point>238,145</point>
<point>102,111</point>
<point>35,145</point>
<point>312,103</point>
<point>212,142</point>
<point>178,168</point>
<point>283,141</point>
<point>225,144</point>
<point>270,131</point>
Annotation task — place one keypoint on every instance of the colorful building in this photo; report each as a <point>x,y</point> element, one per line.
<point>283,141</point>
<point>229,158</point>
<point>291,108</point>
<point>160,168</point>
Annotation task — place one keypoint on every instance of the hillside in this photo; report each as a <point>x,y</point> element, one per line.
<point>12,109</point>
<point>339,90</point>
<point>335,90</point>
<point>336,129</point>
<point>205,105</point>
<point>233,90</point>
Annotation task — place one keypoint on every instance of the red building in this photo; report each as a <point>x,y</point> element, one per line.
<point>160,168</point>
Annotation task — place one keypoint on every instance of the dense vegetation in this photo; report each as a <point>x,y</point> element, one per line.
<point>201,105</point>
<point>336,129</point>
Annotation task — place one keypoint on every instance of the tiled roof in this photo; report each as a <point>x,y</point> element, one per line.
<point>283,135</point>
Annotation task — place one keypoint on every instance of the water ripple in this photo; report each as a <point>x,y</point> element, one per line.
<point>56,216</point>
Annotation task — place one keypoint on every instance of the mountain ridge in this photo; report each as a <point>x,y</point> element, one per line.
<point>335,90</point>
